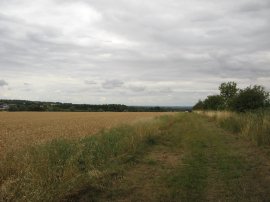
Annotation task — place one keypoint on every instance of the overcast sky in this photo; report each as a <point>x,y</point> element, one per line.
<point>134,52</point>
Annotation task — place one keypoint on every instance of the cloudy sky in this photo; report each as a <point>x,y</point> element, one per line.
<point>132,52</point>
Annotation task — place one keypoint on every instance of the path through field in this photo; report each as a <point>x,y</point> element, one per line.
<point>194,161</point>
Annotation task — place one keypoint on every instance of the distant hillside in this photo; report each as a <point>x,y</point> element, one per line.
<point>26,105</point>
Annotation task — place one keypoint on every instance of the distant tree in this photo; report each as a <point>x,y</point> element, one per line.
<point>214,102</point>
<point>157,109</point>
<point>199,105</point>
<point>251,98</point>
<point>228,91</point>
<point>13,108</point>
<point>35,107</point>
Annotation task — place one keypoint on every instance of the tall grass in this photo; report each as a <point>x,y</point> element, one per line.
<point>252,125</point>
<point>62,169</point>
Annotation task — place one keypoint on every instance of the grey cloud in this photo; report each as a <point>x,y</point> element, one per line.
<point>77,45</point>
<point>111,84</point>
<point>254,6</point>
<point>166,90</point>
<point>137,88</point>
<point>90,82</point>
<point>3,83</point>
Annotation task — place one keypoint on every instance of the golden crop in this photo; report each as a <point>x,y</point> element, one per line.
<point>18,129</point>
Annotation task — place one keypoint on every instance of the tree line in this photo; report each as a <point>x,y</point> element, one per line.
<point>235,99</point>
<point>25,105</point>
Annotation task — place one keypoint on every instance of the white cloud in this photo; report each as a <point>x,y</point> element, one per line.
<point>132,52</point>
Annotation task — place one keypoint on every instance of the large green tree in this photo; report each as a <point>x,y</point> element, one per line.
<point>228,91</point>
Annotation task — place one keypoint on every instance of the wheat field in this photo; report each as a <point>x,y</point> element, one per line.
<point>19,129</point>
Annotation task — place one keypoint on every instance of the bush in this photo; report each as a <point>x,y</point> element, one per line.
<point>250,98</point>
<point>231,98</point>
<point>199,105</point>
<point>214,102</point>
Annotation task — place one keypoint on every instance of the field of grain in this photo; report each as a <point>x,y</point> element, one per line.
<point>18,129</point>
<point>184,157</point>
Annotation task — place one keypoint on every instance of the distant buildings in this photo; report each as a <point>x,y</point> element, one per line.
<point>4,107</point>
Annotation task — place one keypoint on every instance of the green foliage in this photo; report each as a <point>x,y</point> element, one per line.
<point>250,98</point>
<point>228,91</point>
<point>232,98</point>
<point>214,102</point>
<point>25,105</point>
<point>199,105</point>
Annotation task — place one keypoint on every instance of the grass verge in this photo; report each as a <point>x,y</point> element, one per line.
<point>216,166</point>
<point>254,126</point>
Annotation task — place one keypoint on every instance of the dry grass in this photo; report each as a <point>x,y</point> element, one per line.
<point>251,125</point>
<point>219,115</point>
<point>19,129</point>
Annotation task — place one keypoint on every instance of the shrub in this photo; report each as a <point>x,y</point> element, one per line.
<point>250,98</point>
<point>214,102</point>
